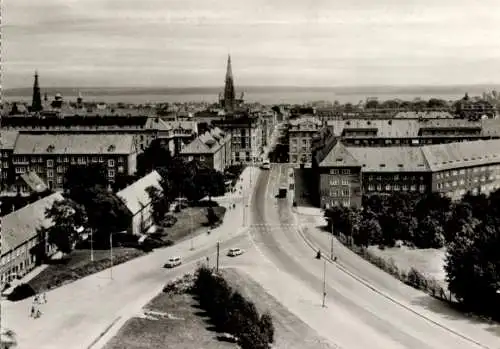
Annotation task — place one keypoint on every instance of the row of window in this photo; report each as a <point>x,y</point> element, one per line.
<point>395,177</point>
<point>343,171</point>
<point>14,254</point>
<point>336,181</point>
<point>397,187</point>
<point>66,159</point>
<point>462,181</point>
<point>342,192</point>
<point>463,171</point>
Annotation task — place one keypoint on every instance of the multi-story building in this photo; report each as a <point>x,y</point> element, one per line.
<point>246,138</point>
<point>49,156</point>
<point>173,134</point>
<point>346,173</point>
<point>7,142</point>
<point>21,237</point>
<point>300,135</point>
<point>212,148</point>
<point>474,109</point>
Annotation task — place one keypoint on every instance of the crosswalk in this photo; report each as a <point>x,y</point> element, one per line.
<point>274,226</point>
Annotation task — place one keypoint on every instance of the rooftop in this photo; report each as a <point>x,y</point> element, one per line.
<point>135,196</point>
<point>8,139</point>
<point>74,144</point>
<point>21,225</point>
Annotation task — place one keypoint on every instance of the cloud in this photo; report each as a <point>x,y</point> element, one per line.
<point>185,42</point>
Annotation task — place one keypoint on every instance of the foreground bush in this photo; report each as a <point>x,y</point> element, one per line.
<point>231,312</point>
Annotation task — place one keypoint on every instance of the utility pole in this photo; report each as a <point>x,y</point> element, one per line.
<point>111,254</point>
<point>191,230</point>
<point>324,282</point>
<point>331,242</point>
<point>217,263</point>
<point>91,244</point>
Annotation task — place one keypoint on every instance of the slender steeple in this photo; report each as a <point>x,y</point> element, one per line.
<point>36,104</point>
<point>229,94</point>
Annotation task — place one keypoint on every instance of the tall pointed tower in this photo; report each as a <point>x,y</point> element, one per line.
<point>229,94</point>
<point>36,104</point>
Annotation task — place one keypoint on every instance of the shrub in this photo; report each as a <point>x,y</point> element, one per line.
<point>266,327</point>
<point>21,291</point>
<point>416,279</point>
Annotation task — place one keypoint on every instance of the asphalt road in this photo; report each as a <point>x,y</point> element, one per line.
<point>369,318</point>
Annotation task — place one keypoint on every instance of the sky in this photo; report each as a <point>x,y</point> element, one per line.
<point>184,43</point>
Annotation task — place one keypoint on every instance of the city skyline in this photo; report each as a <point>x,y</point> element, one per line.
<point>185,44</point>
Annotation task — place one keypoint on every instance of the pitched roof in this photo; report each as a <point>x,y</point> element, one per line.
<point>206,143</point>
<point>34,181</point>
<point>390,159</point>
<point>452,155</point>
<point>135,196</point>
<point>74,144</point>
<point>339,156</point>
<point>8,139</point>
<point>21,225</point>
<point>197,146</point>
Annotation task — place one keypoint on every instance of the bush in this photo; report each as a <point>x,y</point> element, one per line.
<point>267,327</point>
<point>21,291</point>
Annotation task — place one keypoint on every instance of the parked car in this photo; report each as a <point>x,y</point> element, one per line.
<point>233,252</point>
<point>173,262</point>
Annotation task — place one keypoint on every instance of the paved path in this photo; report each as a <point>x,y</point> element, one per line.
<point>77,313</point>
<point>357,314</point>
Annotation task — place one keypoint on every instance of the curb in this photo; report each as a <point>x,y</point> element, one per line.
<point>376,290</point>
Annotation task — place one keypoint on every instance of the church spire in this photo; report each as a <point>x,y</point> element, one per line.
<point>36,104</point>
<point>229,94</point>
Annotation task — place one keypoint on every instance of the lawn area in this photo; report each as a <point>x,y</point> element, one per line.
<point>168,321</point>
<point>290,331</point>
<point>79,265</point>
<point>190,221</point>
<point>429,262</point>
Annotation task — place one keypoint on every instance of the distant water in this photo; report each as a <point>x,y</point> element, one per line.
<point>264,95</point>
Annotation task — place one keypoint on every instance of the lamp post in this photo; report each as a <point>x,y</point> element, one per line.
<point>324,283</point>
<point>191,230</point>
<point>331,242</point>
<point>91,244</point>
<point>111,255</point>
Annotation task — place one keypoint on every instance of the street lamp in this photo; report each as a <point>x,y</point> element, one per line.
<point>324,283</point>
<point>111,254</point>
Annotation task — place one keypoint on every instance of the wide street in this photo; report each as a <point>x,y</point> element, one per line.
<point>376,312</point>
<point>368,310</point>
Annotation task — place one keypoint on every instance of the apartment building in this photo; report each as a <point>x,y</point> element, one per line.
<point>21,238</point>
<point>7,142</point>
<point>145,129</point>
<point>300,137</point>
<point>346,173</point>
<point>212,148</point>
<point>246,138</point>
<point>50,156</point>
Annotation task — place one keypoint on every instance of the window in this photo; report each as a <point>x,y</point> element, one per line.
<point>121,169</point>
<point>111,173</point>
<point>50,163</point>
<point>405,187</point>
<point>346,172</point>
<point>50,173</point>
<point>333,192</point>
<point>59,179</point>
<point>371,187</point>
<point>334,181</point>
<point>59,159</point>
<point>396,187</point>
<point>66,159</point>
<point>202,158</point>
<point>59,169</point>
<point>455,173</point>
<point>379,187</point>
<point>345,192</point>
<point>121,160</point>
<point>388,187</point>
<point>422,188</point>
<point>461,182</point>
<point>334,172</point>
<point>101,159</point>
<point>462,172</point>
<point>396,177</point>
<point>413,187</point>
<point>454,183</point>
<point>111,163</point>
<point>345,203</point>
<point>345,182</point>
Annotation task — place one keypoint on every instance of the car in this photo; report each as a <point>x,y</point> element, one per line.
<point>173,262</point>
<point>233,252</point>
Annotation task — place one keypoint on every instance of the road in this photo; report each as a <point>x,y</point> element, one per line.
<point>357,314</point>
<point>77,313</point>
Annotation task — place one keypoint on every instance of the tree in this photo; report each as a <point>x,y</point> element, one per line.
<point>429,234</point>
<point>159,204</point>
<point>211,216</point>
<point>154,156</point>
<point>67,216</point>
<point>369,232</point>
<point>209,182</point>
<point>79,178</point>
<point>372,104</point>
<point>436,103</point>
<point>266,327</point>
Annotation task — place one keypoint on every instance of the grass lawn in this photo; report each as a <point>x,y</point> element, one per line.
<point>171,321</point>
<point>290,331</point>
<point>429,262</point>
<point>79,265</point>
<point>190,221</point>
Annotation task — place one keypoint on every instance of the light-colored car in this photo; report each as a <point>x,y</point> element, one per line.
<point>173,262</point>
<point>233,252</point>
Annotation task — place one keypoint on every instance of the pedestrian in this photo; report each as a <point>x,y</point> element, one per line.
<point>38,313</point>
<point>32,314</point>
<point>44,295</point>
<point>36,300</point>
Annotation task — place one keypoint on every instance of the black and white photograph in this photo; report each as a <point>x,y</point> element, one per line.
<point>241,174</point>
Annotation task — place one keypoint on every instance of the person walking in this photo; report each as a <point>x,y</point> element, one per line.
<point>32,314</point>
<point>44,297</point>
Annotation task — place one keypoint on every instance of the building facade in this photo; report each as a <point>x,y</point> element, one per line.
<point>346,173</point>
<point>21,238</point>
<point>300,136</point>
<point>138,202</point>
<point>50,156</point>
<point>212,148</point>
<point>7,143</point>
